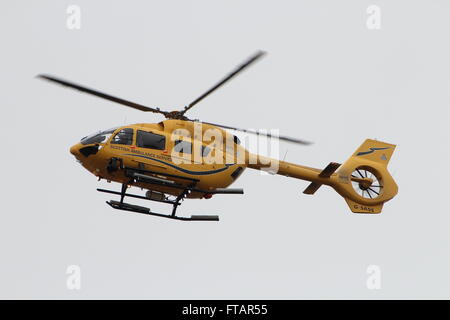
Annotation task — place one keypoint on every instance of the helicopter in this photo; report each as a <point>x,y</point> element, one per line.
<point>181,158</point>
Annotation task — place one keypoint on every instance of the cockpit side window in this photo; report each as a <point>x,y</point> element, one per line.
<point>124,136</point>
<point>150,140</point>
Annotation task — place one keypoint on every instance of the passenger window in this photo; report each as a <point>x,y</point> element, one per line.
<point>124,136</point>
<point>183,146</point>
<point>150,140</point>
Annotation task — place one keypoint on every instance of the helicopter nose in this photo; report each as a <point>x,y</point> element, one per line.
<point>75,149</point>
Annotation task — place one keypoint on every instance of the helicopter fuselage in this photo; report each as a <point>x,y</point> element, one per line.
<point>107,153</point>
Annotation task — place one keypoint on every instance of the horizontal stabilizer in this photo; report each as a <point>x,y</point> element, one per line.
<point>329,170</point>
<point>325,173</point>
<point>312,188</point>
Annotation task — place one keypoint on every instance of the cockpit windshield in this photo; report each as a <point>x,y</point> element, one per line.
<point>98,137</point>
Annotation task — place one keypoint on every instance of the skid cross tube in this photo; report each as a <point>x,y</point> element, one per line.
<point>181,196</point>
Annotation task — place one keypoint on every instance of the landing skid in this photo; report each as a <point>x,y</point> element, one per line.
<point>144,210</point>
<point>148,177</point>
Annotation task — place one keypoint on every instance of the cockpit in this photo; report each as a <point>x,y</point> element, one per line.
<point>98,137</point>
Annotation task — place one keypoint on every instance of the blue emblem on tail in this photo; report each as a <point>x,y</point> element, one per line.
<point>371,151</point>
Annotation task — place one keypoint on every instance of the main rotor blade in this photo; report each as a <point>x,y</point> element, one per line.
<point>241,67</point>
<point>100,94</point>
<point>284,138</point>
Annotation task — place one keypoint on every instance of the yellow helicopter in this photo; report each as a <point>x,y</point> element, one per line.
<point>181,158</point>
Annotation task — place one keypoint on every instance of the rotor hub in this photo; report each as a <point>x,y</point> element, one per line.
<point>365,184</point>
<point>178,115</point>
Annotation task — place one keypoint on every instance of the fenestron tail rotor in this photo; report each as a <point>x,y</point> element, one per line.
<point>366,183</point>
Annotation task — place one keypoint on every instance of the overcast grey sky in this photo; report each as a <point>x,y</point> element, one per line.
<point>327,78</point>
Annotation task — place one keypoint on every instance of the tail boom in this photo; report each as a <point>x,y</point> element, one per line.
<point>363,180</point>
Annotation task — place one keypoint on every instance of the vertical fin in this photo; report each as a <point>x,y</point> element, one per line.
<point>376,151</point>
